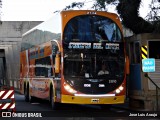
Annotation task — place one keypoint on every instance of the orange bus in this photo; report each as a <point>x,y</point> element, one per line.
<point>76,57</point>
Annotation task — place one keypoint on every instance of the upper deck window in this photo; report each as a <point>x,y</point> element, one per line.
<point>87,28</point>
<point>44,32</point>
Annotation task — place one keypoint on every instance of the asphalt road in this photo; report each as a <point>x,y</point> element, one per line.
<point>41,109</point>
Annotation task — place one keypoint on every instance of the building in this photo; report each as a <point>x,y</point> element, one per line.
<point>10,45</point>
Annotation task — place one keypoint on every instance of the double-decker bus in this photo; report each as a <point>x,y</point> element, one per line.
<point>61,59</point>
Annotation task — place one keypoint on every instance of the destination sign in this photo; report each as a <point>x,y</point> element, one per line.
<point>75,45</point>
<point>97,46</point>
<point>79,45</point>
<point>114,46</point>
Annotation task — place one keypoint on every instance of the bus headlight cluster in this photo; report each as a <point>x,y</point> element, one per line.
<point>69,89</point>
<point>119,89</point>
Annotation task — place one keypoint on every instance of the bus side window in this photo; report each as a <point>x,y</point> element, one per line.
<point>43,67</point>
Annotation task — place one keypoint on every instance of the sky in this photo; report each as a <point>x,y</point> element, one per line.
<point>41,10</point>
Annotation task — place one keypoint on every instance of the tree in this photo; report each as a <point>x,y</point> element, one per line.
<point>128,11</point>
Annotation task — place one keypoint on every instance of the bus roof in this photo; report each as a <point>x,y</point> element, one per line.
<point>56,18</point>
<point>48,25</point>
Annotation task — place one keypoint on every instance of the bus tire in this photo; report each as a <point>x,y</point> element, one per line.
<point>52,102</point>
<point>26,94</point>
<point>31,99</point>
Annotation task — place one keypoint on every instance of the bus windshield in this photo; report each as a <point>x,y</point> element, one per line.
<point>89,42</point>
<point>93,52</point>
<point>92,28</point>
<point>87,64</point>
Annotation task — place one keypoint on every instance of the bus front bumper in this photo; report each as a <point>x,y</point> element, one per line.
<point>92,100</point>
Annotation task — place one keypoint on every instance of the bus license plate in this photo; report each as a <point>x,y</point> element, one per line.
<point>94,100</point>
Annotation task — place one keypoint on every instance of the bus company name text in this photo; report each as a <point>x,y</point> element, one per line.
<point>35,54</point>
<point>73,45</point>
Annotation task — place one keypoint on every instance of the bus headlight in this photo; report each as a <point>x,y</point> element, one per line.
<point>119,89</point>
<point>69,89</point>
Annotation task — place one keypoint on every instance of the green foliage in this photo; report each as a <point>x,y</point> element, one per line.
<point>129,12</point>
<point>75,4</point>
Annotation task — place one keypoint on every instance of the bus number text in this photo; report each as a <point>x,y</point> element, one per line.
<point>112,81</point>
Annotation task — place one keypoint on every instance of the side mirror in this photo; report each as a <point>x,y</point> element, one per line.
<point>57,63</point>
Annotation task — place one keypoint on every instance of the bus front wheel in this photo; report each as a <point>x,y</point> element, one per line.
<point>26,94</point>
<point>52,101</point>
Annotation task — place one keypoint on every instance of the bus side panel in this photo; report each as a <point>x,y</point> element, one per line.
<point>31,68</point>
<point>47,49</point>
<point>39,87</point>
<point>57,86</point>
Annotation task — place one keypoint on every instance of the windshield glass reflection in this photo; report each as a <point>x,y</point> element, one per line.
<point>92,28</point>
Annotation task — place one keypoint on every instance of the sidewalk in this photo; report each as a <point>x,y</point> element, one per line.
<point>127,107</point>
